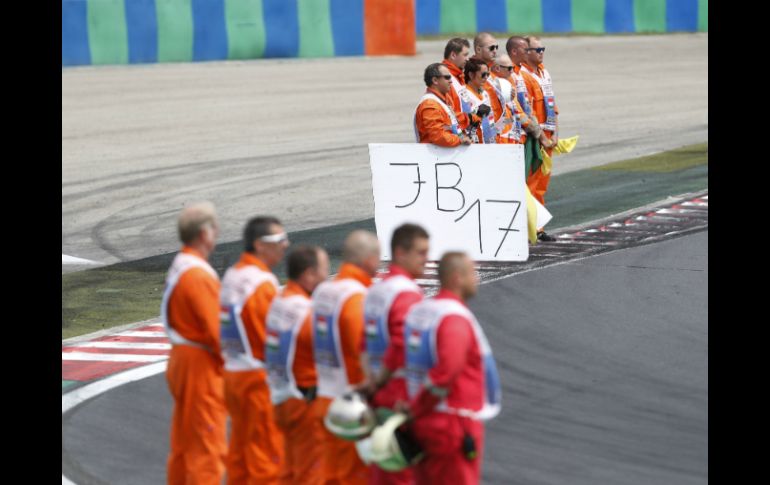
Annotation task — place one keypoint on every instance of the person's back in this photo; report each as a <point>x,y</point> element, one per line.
<point>338,322</point>
<point>291,367</point>
<point>452,378</point>
<point>190,313</point>
<point>387,303</point>
<point>248,287</point>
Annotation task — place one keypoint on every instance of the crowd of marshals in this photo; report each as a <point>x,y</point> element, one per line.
<point>493,98</point>
<point>280,361</point>
<point>283,362</point>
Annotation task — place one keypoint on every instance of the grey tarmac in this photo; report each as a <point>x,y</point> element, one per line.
<point>604,365</point>
<point>289,136</point>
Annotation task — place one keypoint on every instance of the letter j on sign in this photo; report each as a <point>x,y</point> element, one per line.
<point>468,198</point>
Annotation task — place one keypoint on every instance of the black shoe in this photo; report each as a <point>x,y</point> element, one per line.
<point>544,236</point>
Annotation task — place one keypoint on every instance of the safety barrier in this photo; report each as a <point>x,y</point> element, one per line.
<point>147,31</point>
<point>580,16</point>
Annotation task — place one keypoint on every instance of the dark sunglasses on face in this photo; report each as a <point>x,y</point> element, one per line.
<point>448,77</point>
<point>484,75</point>
<point>539,50</point>
<point>509,68</point>
<point>493,47</point>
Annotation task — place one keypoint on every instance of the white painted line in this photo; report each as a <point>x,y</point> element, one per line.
<point>427,282</point>
<point>73,260</point>
<point>142,334</point>
<point>109,332</point>
<point>112,357</point>
<point>125,345</point>
<point>73,398</point>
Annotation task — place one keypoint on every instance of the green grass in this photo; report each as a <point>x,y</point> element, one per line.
<point>105,297</point>
<point>665,162</point>
<point>130,292</point>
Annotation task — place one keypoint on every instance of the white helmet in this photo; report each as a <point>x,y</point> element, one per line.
<point>349,417</point>
<point>391,449</point>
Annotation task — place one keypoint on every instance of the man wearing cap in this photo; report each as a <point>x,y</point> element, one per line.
<point>338,325</point>
<point>451,377</point>
<point>248,288</point>
<point>291,369</point>
<point>385,308</point>
<point>190,313</point>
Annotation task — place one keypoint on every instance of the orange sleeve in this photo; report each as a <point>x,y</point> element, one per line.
<point>351,332</point>
<point>254,315</point>
<point>463,119</point>
<point>497,108</point>
<point>304,365</point>
<point>431,125</point>
<point>536,93</point>
<point>194,308</point>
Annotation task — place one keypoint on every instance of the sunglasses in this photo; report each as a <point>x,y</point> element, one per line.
<point>493,47</point>
<point>509,68</point>
<point>275,238</point>
<point>539,50</point>
<point>448,77</point>
<point>484,75</point>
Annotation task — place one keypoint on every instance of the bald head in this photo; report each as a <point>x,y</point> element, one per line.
<point>516,47</point>
<point>485,47</point>
<point>482,38</point>
<point>451,263</point>
<point>503,66</point>
<point>457,274</point>
<point>362,249</point>
<point>502,60</point>
<point>194,218</point>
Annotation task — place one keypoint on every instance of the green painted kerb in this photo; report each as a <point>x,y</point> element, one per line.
<point>650,15</point>
<point>524,16</point>
<point>703,15</point>
<point>245,29</point>
<point>588,16</point>
<point>315,29</point>
<point>458,16</point>
<point>67,383</point>
<point>107,33</point>
<point>175,30</point>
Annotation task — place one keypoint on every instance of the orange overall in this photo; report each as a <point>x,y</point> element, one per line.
<point>303,432</point>
<point>453,97</point>
<point>256,444</point>
<point>432,122</point>
<point>538,182</point>
<point>194,376</point>
<point>343,465</point>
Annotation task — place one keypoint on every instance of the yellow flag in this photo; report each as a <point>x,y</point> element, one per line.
<point>566,145</point>
<point>531,216</point>
<point>547,162</point>
<point>563,146</point>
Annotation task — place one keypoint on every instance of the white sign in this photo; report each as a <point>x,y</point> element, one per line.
<point>469,198</point>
